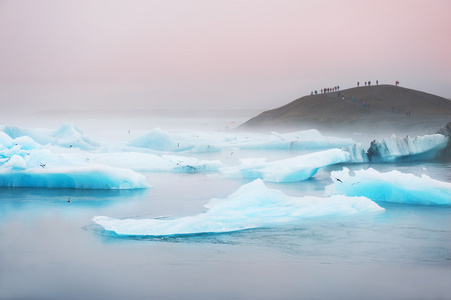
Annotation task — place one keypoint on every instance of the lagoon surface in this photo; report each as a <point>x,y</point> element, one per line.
<point>51,249</point>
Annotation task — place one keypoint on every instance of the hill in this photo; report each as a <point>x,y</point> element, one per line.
<point>384,110</point>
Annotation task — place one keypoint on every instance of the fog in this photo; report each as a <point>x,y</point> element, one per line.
<point>213,54</point>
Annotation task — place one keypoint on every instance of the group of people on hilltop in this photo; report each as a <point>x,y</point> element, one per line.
<point>330,90</point>
<point>326,90</point>
<point>368,83</point>
<point>337,88</point>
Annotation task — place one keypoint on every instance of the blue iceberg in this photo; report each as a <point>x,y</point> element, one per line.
<point>67,135</point>
<point>24,163</point>
<point>392,186</point>
<point>293,169</point>
<point>251,206</point>
<point>396,149</point>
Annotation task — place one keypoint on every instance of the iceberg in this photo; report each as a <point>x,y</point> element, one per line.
<point>407,149</point>
<point>396,149</point>
<point>67,135</point>
<point>198,142</point>
<point>392,186</point>
<point>160,140</point>
<point>251,206</point>
<point>293,169</point>
<point>23,163</point>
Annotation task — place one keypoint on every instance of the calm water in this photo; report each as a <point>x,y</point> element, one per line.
<point>50,249</point>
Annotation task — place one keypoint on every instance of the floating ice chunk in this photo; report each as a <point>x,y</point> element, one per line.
<point>37,167</point>
<point>293,169</point>
<point>158,139</point>
<point>251,206</point>
<point>79,177</point>
<point>392,186</point>
<point>395,148</point>
<point>66,135</point>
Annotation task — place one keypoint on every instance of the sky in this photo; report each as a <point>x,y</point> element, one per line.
<point>192,54</point>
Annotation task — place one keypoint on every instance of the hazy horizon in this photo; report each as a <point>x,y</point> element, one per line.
<point>90,55</point>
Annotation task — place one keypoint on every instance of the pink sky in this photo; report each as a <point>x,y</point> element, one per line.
<point>214,54</point>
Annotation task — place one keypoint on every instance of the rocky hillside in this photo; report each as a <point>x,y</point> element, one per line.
<point>382,107</point>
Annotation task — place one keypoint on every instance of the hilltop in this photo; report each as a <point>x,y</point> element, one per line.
<point>385,111</point>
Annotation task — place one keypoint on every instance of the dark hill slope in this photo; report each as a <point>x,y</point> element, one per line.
<point>385,109</point>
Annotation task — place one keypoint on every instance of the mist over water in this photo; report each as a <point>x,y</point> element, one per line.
<point>51,249</point>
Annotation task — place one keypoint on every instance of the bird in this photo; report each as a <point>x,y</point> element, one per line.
<point>338,179</point>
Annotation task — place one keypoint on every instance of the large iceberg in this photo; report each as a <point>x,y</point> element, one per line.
<point>24,163</point>
<point>251,206</point>
<point>396,149</point>
<point>405,149</point>
<point>392,186</point>
<point>293,169</point>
